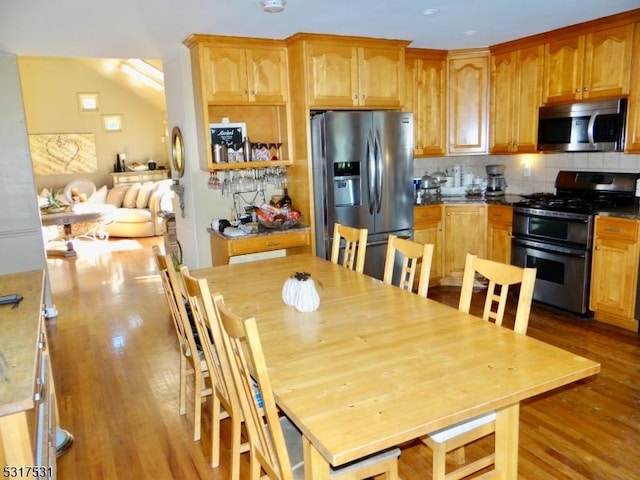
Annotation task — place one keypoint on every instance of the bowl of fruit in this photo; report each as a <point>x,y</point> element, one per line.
<point>277,218</point>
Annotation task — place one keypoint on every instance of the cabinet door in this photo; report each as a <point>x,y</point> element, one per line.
<point>499,222</point>
<point>226,74</point>
<point>432,234</point>
<point>614,259</point>
<point>607,62</point>
<point>503,82</point>
<point>563,66</point>
<point>464,232</point>
<point>633,119</point>
<point>332,72</point>
<point>380,77</point>
<point>425,97</point>
<point>428,229</point>
<point>468,84</point>
<point>527,100</point>
<point>432,107</point>
<point>267,75</point>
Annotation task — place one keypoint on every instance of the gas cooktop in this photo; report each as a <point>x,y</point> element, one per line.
<point>585,192</point>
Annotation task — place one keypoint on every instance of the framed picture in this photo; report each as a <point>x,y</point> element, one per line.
<point>227,133</point>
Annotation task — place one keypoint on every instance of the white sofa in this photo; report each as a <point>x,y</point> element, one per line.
<point>130,210</point>
<point>137,207</point>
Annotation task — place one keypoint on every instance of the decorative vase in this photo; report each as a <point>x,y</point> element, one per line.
<point>300,292</point>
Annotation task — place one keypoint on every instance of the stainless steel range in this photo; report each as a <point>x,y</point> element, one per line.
<point>554,233</point>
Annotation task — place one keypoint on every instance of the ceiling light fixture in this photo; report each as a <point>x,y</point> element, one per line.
<point>430,11</point>
<point>140,76</point>
<point>273,6</point>
<point>147,69</point>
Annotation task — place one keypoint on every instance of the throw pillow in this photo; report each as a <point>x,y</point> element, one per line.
<point>142,200</point>
<point>100,195</point>
<point>129,200</point>
<point>116,195</point>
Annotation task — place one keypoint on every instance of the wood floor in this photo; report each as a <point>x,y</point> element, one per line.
<point>115,362</point>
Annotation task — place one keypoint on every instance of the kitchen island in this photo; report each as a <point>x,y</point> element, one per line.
<point>28,410</point>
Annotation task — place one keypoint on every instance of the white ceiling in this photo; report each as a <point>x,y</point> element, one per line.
<point>155,28</point>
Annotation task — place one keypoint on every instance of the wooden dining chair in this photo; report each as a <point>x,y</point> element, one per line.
<point>225,402</point>
<point>412,253</point>
<point>275,442</point>
<point>355,246</point>
<point>192,363</point>
<point>454,438</point>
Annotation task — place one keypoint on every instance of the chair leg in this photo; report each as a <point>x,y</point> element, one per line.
<point>236,427</point>
<point>216,418</point>
<point>182,401</point>
<point>197,404</point>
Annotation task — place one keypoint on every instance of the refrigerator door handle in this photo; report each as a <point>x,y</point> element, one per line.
<point>379,172</point>
<point>372,169</point>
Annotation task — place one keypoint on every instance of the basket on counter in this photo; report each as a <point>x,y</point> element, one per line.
<point>277,218</point>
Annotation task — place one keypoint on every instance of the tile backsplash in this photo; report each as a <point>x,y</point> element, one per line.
<point>543,167</point>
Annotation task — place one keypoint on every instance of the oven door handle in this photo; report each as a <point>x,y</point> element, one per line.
<point>545,217</point>
<point>542,247</point>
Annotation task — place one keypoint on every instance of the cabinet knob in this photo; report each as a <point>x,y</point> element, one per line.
<point>586,89</point>
<point>577,90</point>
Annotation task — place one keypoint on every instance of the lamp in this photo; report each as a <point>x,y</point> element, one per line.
<point>273,6</point>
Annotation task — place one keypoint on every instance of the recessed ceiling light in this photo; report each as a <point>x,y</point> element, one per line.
<point>430,11</point>
<point>470,32</point>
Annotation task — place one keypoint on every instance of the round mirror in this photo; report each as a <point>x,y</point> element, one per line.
<point>177,152</point>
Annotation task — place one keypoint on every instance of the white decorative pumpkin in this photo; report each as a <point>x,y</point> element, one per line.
<point>307,299</point>
<point>290,290</point>
<point>300,292</point>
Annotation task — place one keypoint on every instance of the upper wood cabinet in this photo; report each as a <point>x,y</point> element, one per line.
<point>425,96</point>
<point>633,119</point>
<point>516,86</point>
<point>246,80</point>
<point>468,87</point>
<point>592,65</point>
<point>352,72</point>
<point>236,75</point>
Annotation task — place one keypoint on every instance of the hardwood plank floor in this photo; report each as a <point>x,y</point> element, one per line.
<point>115,362</point>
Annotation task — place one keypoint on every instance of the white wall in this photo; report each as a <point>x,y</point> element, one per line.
<point>21,241</point>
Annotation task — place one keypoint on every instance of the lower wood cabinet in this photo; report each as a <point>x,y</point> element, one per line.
<point>222,248</point>
<point>499,223</point>
<point>427,224</point>
<point>464,232</point>
<point>614,274</point>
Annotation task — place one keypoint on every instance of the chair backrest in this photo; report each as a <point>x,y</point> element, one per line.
<point>503,275</point>
<point>205,317</point>
<point>412,253</point>
<point>174,292</point>
<point>250,376</point>
<point>355,246</point>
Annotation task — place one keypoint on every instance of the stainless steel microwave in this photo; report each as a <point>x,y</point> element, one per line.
<point>597,126</point>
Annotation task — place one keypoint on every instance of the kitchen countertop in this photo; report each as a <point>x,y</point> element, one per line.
<point>19,340</point>
<point>262,231</point>
<point>632,213</point>
<point>507,199</point>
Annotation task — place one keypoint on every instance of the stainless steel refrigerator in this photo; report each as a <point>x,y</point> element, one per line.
<point>362,177</point>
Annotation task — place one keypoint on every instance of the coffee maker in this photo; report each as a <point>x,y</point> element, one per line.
<point>496,183</point>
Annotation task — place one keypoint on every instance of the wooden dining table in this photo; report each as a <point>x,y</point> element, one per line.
<point>375,366</point>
